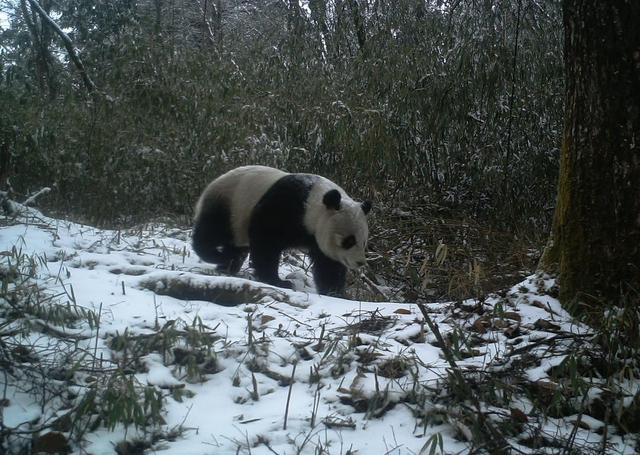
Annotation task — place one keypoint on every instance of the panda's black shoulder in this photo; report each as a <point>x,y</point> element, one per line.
<point>289,194</point>
<point>278,217</point>
<point>290,191</point>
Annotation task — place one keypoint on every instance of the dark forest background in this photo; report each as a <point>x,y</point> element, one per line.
<point>447,114</point>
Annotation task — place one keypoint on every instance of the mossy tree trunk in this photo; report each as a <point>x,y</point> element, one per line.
<point>595,243</point>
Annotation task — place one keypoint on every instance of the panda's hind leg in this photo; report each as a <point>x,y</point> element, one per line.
<point>232,258</point>
<point>212,239</point>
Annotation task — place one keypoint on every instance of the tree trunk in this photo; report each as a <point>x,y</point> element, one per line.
<point>358,23</point>
<point>595,243</point>
<point>41,42</point>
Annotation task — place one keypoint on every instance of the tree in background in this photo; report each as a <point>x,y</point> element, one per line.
<point>595,243</point>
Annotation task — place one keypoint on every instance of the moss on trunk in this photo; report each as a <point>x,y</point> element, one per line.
<point>595,243</point>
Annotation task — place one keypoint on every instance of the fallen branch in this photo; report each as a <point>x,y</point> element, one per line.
<point>48,329</point>
<point>31,199</point>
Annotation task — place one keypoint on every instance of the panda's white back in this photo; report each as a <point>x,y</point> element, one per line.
<point>242,188</point>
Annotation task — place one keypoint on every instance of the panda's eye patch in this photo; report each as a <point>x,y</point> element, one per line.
<point>348,242</point>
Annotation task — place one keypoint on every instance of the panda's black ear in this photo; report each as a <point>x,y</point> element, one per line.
<point>366,207</point>
<point>332,199</point>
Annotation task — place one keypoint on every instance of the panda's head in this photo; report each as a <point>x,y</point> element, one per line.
<point>342,230</point>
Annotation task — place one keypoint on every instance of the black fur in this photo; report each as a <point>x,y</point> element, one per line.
<point>330,276</point>
<point>349,242</point>
<point>213,240</point>
<point>366,207</point>
<point>332,199</point>
<point>277,224</point>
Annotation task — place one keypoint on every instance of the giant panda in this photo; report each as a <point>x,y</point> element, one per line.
<point>262,211</point>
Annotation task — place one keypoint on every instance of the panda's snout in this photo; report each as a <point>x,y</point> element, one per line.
<point>354,264</point>
<point>357,264</point>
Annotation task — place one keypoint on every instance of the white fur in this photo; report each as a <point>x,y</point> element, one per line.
<point>330,226</point>
<point>242,188</point>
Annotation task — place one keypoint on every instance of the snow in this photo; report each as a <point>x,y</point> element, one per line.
<point>240,407</point>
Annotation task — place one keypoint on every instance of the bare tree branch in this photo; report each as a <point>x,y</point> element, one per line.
<point>207,22</point>
<point>68,44</point>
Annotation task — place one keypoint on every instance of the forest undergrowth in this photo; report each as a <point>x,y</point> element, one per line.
<point>447,115</point>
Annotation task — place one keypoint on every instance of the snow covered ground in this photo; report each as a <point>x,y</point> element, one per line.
<point>288,371</point>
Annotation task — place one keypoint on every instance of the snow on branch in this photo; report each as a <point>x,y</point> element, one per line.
<point>68,44</point>
<point>32,199</point>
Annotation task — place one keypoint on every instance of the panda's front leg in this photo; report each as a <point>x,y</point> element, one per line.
<point>329,276</point>
<point>265,258</point>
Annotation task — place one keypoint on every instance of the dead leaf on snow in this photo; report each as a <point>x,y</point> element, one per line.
<point>543,324</point>
<point>512,315</point>
<point>539,304</point>
<point>266,318</point>
<point>481,324</point>
<point>518,416</point>
<point>512,332</point>
<point>402,311</point>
